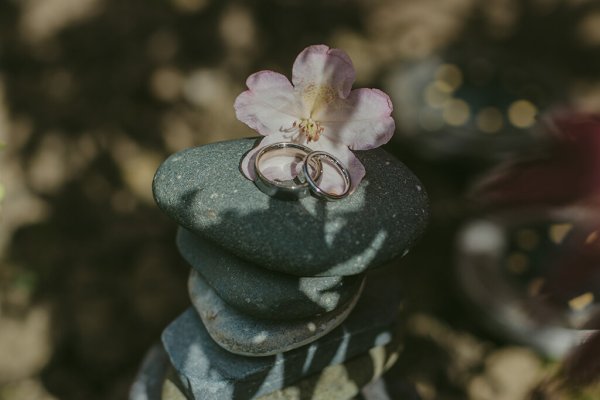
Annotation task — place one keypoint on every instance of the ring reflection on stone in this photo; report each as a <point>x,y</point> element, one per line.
<point>314,185</point>
<point>290,189</point>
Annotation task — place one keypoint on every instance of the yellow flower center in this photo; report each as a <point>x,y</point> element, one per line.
<point>309,128</point>
<point>314,97</point>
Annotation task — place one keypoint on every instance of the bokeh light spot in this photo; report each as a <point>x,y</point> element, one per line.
<point>558,232</point>
<point>580,302</point>
<point>435,97</point>
<point>522,113</point>
<point>237,28</point>
<point>449,76</point>
<point>190,6</point>
<point>591,238</point>
<point>208,88</point>
<point>166,83</point>
<point>589,29</point>
<point>456,112</point>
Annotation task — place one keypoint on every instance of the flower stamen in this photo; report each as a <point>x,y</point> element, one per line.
<point>309,128</point>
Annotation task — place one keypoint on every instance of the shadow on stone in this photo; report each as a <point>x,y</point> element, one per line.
<point>211,370</point>
<point>378,222</point>
<point>260,292</point>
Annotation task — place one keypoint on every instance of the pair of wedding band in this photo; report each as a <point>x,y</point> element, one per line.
<point>307,180</point>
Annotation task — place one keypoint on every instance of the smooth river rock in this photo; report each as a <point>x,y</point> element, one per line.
<point>148,382</point>
<point>242,334</point>
<point>336,382</point>
<point>260,292</point>
<point>203,190</point>
<point>341,381</point>
<point>207,371</point>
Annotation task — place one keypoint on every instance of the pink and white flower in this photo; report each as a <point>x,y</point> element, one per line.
<point>317,109</point>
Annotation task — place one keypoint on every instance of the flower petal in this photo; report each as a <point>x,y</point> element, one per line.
<point>362,121</point>
<point>321,66</point>
<point>332,182</point>
<point>270,105</point>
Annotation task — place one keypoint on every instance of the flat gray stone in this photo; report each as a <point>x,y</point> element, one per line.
<point>207,371</point>
<point>341,381</point>
<point>246,335</point>
<point>149,379</point>
<point>260,292</point>
<point>336,382</point>
<point>203,190</point>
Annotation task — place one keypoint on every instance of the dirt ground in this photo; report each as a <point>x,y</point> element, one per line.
<point>94,94</point>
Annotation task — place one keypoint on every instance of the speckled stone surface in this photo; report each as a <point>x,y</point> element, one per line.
<point>260,292</point>
<point>336,382</point>
<point>342,381</point>
<point>206,370</point>
<point>202,189</point>
<point>242,334</point>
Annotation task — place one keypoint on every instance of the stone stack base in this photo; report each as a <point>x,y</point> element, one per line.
<point>348,362</point>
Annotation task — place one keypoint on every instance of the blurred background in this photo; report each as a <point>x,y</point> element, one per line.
<point>493,99</point>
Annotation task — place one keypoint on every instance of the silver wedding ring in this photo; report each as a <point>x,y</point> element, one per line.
<point>291,189</point>
<point>314,185</point>
<point>307,181</point>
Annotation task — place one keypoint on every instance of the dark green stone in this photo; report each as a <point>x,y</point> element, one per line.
<point>260,292</point>
<point>203,190</point>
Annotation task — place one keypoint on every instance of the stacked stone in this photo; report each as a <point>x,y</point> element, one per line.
<point>281,307</point>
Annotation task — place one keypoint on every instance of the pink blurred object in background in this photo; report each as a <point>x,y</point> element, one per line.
<point>568,172</point>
